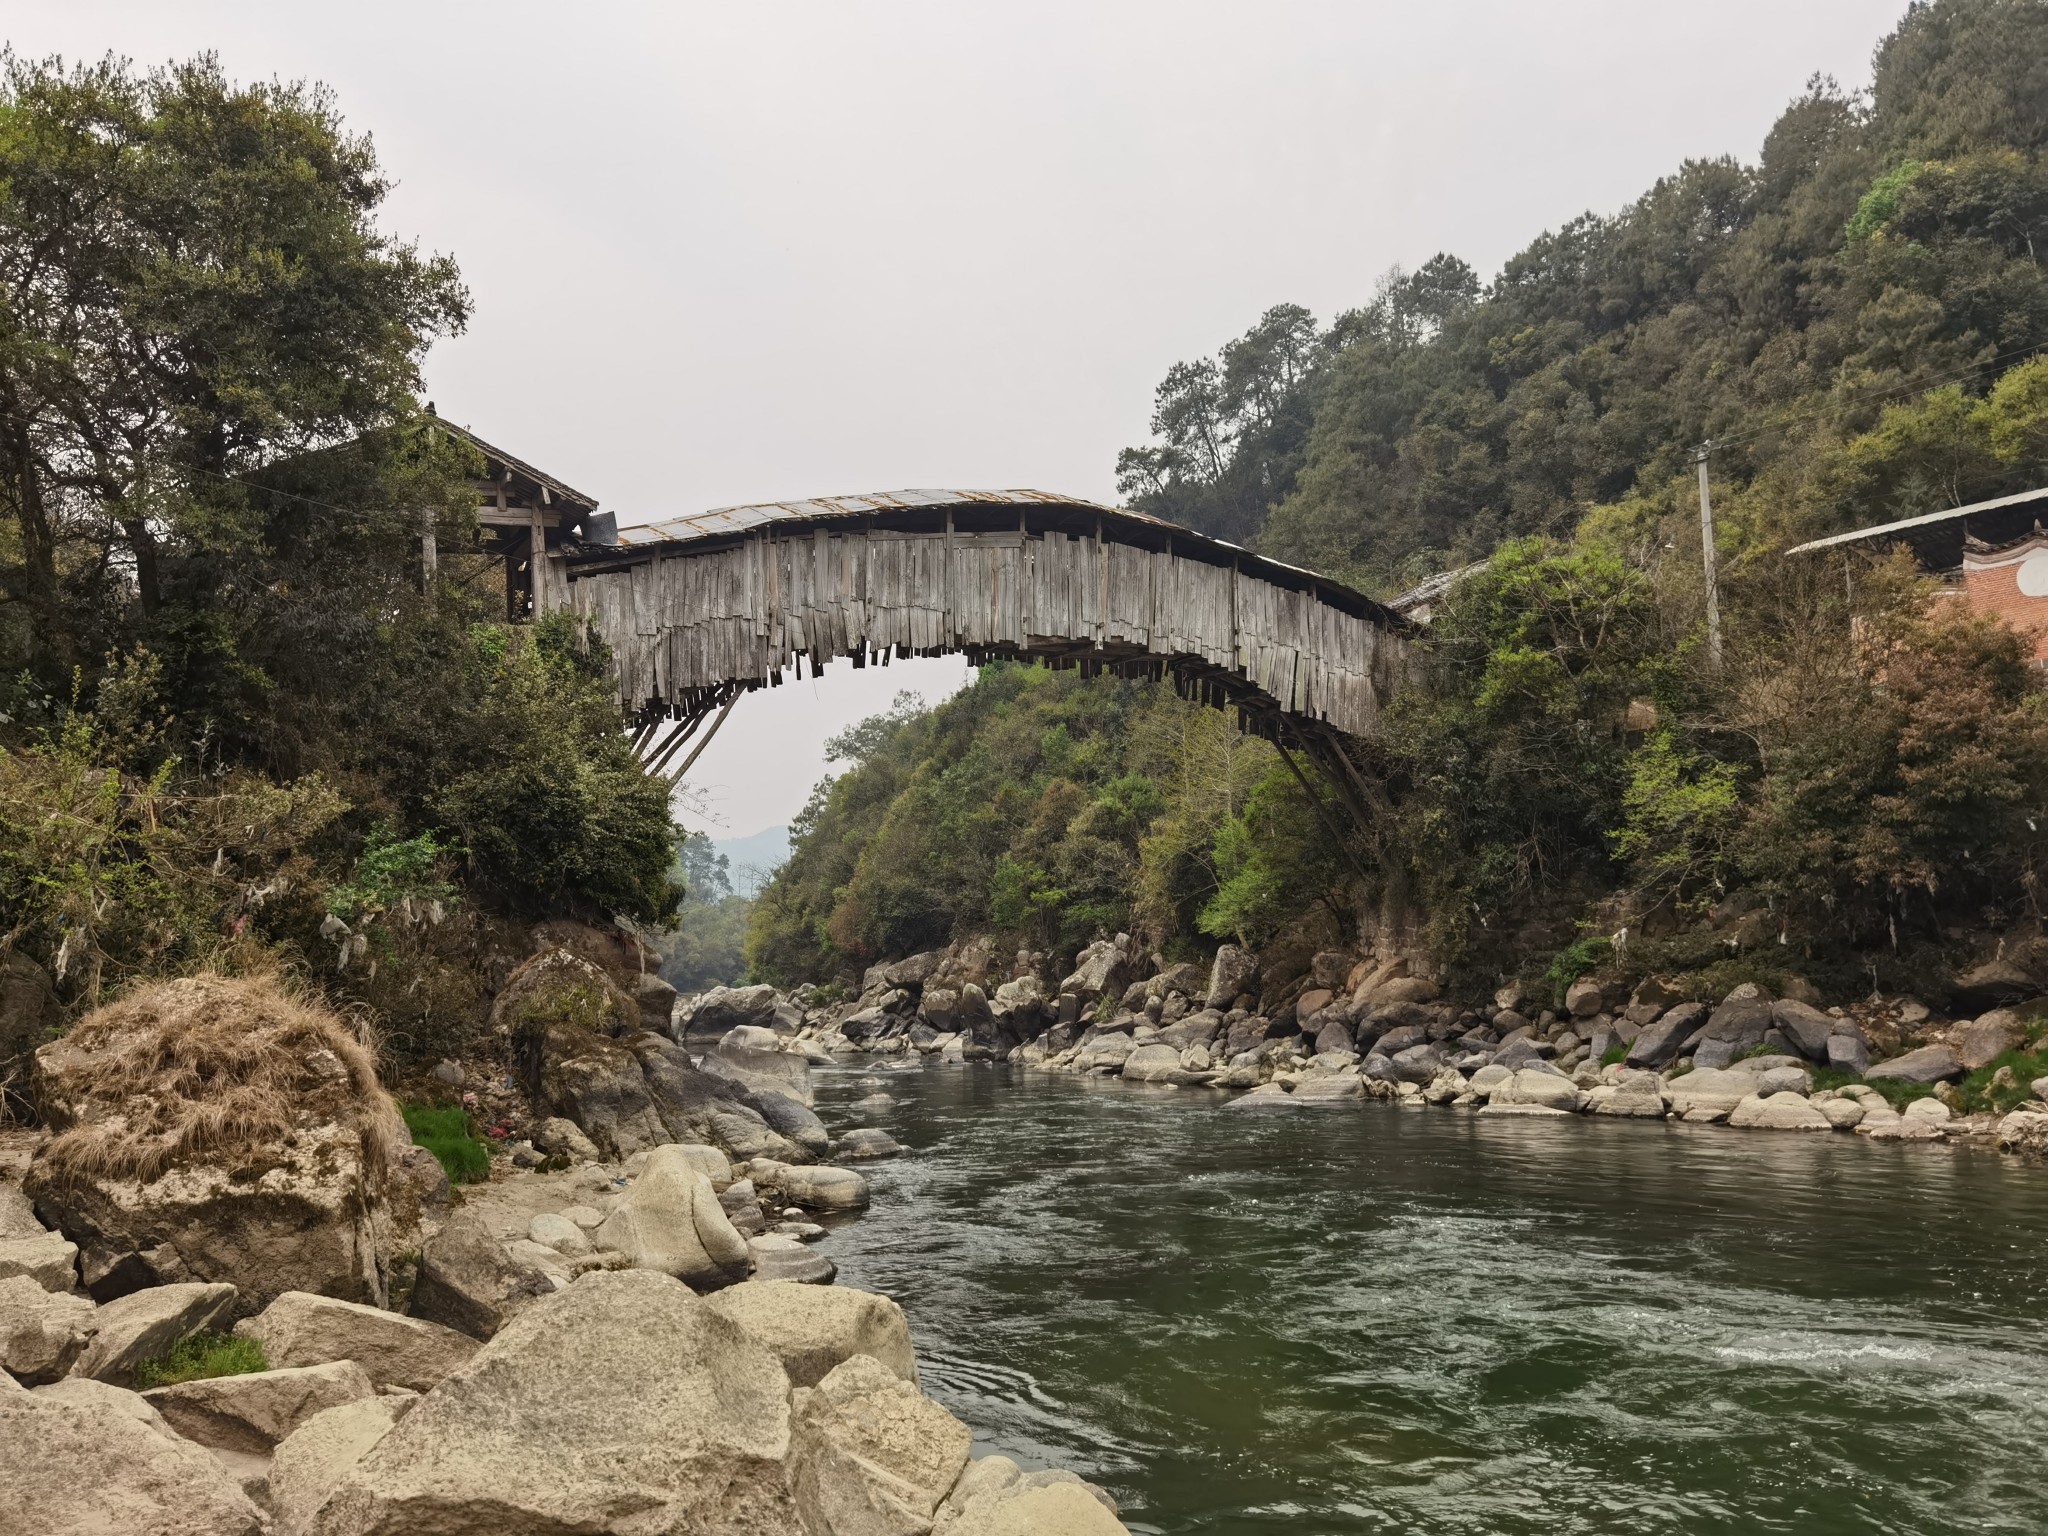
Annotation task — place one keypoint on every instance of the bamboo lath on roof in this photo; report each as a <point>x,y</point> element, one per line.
<point>744,595</point>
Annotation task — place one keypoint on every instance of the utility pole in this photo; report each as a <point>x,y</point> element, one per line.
<point>1707,560</point>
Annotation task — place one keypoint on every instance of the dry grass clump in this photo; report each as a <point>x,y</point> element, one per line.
<point>207,1069</point>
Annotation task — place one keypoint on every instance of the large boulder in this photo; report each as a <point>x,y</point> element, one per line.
<point>657,1001</point>
<point>41,1332</point>
<point>1805,1026</point>
<point>1983,1040</point>
<point>1666,1038</point>
<point>1154,1063</point>
<point>812,1329</point>
<point>778,1256</point>
<point>869,1454</point>
<point>1539,1086</point>
<point>84,1466</point>
<point>1929,1064</point>
<point>145,1324</point>
<point>316,1456</point>
<point>994,1497</point>
<point>623,1404</point>
<point>49,1260</point>
<point>815,1188</point>
<point>252,1412</point>
<point>693,1106</point>
<point>671,1221</point>
<point>1230,975</point>
<point>760,1071</point>
<point>1735,1028</point>
<point>724,1009</point>
<point>1779,1112</point>
<point>302,1329</point>
<point>1709,1093</point>
<point>1584,998</point>
<point>1102,967</point>
<point>468,1282</point>
<point>561,1016</point>
<point>217,1129</point>
<point>1331,1088</point>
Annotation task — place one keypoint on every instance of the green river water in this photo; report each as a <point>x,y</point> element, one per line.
<point>1378,1319</point>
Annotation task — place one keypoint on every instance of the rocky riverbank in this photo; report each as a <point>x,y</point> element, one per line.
<point>1344,1029</point>
<point>625,1330</point>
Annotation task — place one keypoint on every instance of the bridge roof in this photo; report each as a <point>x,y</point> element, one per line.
<point>728,522</point>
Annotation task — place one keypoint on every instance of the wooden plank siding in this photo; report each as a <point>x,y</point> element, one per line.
<point>682,622</point>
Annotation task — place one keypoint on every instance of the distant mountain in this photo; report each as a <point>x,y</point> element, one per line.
<point>755,857</point>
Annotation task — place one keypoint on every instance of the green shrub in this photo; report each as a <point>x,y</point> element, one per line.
<point>200,1356</point>
<point>446,1133</point>
<point>1615,1054</point>
<point>1575,960</point>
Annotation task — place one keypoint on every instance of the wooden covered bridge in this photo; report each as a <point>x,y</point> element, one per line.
<point>698,610</point>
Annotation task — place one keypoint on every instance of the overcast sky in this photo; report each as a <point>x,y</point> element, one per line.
<point>740,252</point>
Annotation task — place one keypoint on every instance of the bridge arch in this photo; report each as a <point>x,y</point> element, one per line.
<point>699,609</point>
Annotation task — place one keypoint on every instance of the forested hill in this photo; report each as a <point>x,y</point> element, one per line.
<point>1855,320</point>
<point>1884,242</point>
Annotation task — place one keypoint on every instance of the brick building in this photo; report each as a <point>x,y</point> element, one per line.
<point>1992,555</point>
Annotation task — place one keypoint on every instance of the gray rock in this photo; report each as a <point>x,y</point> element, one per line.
<point>1583,998</point>
<point>1638,1098</point>
<point>671,1221</point>
<point>145,1324</point>
<point>724,1009</point>
<point>1329,1088</point>
<point>1232,974</point>
<point>868,1453</point>
<point>1848,1053</point>
<point>558,1233</point>
<point>866,1144</point>
<point>1333,1036</point>
<point>469,1283</point>
<point>1805,1026</point>
<point>812,1329</point>
<point>1151,1063</point>
<point>1418,1064</point>
<point>41,1332</point>
<point>300,1329</point>
<point>1779,1112</point>
<point>88,1467</point>
<point>314,1458</point>
<point>253,1412</point>
<point>1663,1040</point>
<point>49,1260</point>
<point>1708,1093</point>
<point>994,1498</point>
<point>17,1214</point>
<point>815,1188</point>
<point>1543,1088</point>
<point>1842,1114</point>
<point>775,1257</point>
<point>623,1403</point>
<point>1982,1040</point>
<point>1929,1064</point>
<point>561,1138</point>
<point>1784,1080</point>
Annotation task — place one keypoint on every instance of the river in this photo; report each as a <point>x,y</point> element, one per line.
<point>1379,1319</point>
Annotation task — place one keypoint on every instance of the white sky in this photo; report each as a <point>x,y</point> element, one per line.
<point>738,252</point>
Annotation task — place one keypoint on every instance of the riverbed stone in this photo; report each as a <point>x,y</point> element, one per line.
<point>1662,1040</point>
<point>1418,1064</point>
<point>1638,1098</point>
<point>1982,1040</point>
<point>1848,1053</point>
<point>622,1404</point>
<point>1805,1026</point>
<point>775,1256</point>
<point>145,1324</point>
<point>1709,1093</point>
<point>1784,1080</point>
<point>1151,1063</point>
<point>253,1411</point>
<point>1779,1112</point>
<point>86,1466</point>
<point>815,1187</point>
<point>1584,998</point>
<point>1536,1086</point>
<point>994,1497</point>
<point>468,1282</point>
<point>671,1221</point>
<point>300,1329</point>
<point>42,1332</point>
<point>813,1329</point>
<point>2024,1130</point>
<point>1843,1114</point>
<point>867,1144</point>
<point>314,1458</point>
<point>869,1455</point>
<point>1333,1088</point>
<point>49,1260</point>
<point>1928,1064</point>
<point>1524,1111</point>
